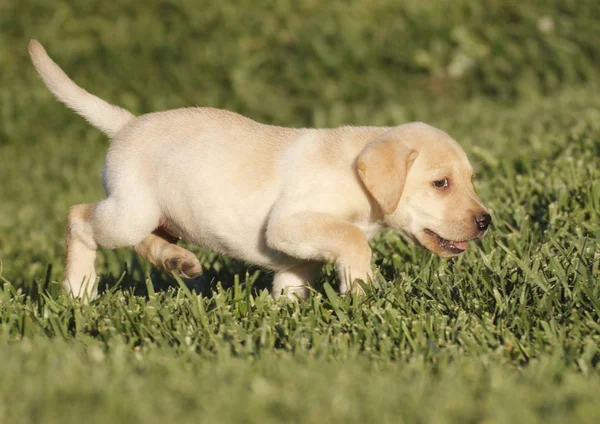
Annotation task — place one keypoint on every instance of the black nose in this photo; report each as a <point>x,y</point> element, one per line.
<point>483,221</point>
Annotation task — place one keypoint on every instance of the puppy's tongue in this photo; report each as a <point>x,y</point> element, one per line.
<point>462,245</point>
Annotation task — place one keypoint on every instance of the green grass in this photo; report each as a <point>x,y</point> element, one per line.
<point>509,332</point>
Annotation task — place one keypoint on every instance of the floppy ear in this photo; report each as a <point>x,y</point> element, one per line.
<point>382,167</point>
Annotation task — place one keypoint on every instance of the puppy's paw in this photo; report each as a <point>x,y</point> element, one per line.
<point>357,287</point>
<point>82,286</point>
<point>352,279</point>
<point>185,266</point>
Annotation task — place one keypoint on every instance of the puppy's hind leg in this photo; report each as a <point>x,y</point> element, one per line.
<point>111,223</point>
<point>81,252</point>
<point>160,250</point>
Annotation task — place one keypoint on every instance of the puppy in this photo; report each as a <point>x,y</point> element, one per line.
<point>285,199</point>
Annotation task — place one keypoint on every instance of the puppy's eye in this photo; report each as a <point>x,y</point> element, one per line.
<point>441,183</point>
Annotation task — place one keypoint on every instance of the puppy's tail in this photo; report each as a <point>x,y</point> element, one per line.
<point>104,116</point>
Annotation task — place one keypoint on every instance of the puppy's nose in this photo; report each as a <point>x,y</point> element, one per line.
<point>483,220</point>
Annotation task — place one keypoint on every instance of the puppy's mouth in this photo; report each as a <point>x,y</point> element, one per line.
<point>450,246</point>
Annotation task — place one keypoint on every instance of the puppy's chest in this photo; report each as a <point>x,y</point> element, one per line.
<point>369,228</point>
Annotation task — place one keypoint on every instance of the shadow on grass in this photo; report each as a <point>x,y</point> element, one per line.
<point>136,277</point>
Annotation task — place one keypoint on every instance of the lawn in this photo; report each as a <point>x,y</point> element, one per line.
<point>508,332</point>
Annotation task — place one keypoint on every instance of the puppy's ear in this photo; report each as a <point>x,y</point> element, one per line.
<point>382,167</point>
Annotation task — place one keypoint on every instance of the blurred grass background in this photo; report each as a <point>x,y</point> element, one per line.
<point>308,62</point>
<point>509,332</point>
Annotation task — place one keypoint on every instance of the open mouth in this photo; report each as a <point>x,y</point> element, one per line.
<point>456,247</point>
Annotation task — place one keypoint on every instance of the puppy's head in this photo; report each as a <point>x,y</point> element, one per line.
<point>421,179</point>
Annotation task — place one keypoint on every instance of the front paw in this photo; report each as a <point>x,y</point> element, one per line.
<point>352,278</point>
<point>357,286</point>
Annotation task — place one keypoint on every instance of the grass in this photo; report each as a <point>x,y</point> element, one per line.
<point>509,332</point>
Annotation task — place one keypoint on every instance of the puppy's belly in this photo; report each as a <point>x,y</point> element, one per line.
<point>226,230</point>
<point>217,191</point>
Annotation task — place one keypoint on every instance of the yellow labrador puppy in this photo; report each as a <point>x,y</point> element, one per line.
<point>282,198</point>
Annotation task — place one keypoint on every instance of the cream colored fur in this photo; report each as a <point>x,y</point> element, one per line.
<point>285,199</point>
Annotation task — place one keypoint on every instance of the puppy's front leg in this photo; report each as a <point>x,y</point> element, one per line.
<point>323,237</point>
